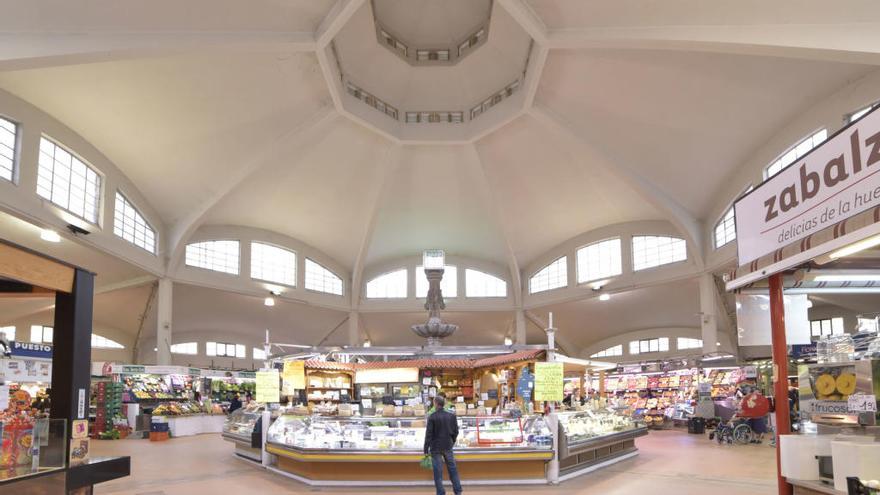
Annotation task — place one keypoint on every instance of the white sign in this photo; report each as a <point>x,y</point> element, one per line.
<point>753,319</point>
<point>4,397</point>
<point>367,403</point>
<point>862,403</point>
<point>833,182</point>
<point>81,404</point>
<point>389,375</point>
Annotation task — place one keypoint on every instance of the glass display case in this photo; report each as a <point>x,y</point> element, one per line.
<point>587,437</point>
<point>405,434</point>
<point>239,429</point>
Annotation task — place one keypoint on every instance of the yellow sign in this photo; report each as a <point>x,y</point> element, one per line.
<point>293,377</point>
<point>548,382</point>
<point>267,386</point>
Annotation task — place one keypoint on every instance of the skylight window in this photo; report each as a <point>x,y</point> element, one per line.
<point>686,343</point>
<point>480,284</point>
<point>449,284</point>
<point>8,134</point>
<point>649,345</point>
<point>725,229</point>
<point>552,276</point>
<point>391,285</point>
<point>189,348</point>
<point>613,351</point>
<point>223,349</point>
<point>219,256</point>
<point>41,334</point>
<point>599,260</point>
<point>796,151</point>
<point>321,279</point>
<point>99,342</point>
<point>130,225</point>
<point>650,251</point>
<point>68,182</point>
<point>273,264</point>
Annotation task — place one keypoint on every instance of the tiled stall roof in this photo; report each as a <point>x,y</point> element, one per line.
<point>427,363</point>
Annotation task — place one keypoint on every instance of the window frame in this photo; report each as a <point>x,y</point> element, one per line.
<point>43,329</point>
<point>689,343</point>
<point>600,277</point>
<point>195,344</point>
<point>632,247</point>
<point>564,259</point>
<point>648,344</point>
<point>468,296</point>
<point>276,246</point>
<point>16,149</point>
<point>142,216</point>
<point>848,118</point>
<point>5,332</point>
<point>306,260</point>
<point>831,324</point>
<point>238,265</point>
<point>420,269</point>
<point>395,271</point>
<point>802,140</point>
<point>101,179</point>
<point>226,345</point>
<point>610,352</point>
<point>115,346</point>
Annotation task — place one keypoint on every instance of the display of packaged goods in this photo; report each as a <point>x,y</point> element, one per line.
<point>405,433</point>
<point>241,422</point>
<point>594,423</point>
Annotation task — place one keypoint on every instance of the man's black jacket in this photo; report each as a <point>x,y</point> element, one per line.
<point>441,432</point>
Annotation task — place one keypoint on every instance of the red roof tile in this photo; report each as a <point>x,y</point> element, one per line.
<point>507,358</point>
<point>427,363</point>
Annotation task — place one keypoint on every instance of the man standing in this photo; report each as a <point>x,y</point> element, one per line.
<point>440,436</point>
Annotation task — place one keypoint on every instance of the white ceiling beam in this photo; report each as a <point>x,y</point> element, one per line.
<point>385,176</point>
<point>19,51</point>
<point>333,22</point>
<point>841,42</point>
<point>492,203</point>
<point>526,17</point>
<point>125,284</point>
<point>301,134</point>
<point>689,226</point>
<point>565,345</point>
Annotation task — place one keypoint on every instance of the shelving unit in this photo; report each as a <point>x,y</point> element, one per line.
<point>329,386</point>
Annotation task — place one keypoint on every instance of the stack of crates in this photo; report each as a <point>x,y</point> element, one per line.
<point>159,431</point>
<point>108,402</point>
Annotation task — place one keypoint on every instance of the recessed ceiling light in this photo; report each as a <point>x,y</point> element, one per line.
<point>604,297</point>
<point>50,235</point>
<point>269,301</point>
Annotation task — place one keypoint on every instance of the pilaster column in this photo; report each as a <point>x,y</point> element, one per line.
<point>163,321</point>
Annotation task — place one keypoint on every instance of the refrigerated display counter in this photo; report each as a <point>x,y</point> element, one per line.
<point>328,451</point>
<point>241,429</point>
<point>588,438</point>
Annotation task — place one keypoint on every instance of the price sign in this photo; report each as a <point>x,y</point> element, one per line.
<point>293,377</point>
<point>860,403</point>
<point>548,382</point>
<point>268,390</point>
<point>367,403</point>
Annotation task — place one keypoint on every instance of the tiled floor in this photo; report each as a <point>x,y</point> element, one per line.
<point>669,462</point>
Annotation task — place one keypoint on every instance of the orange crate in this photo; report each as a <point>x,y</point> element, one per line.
<point>159,436</point>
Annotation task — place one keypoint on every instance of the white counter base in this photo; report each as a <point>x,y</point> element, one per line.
<point>589,469</point>
<point>405,483</point>
<point>184,426</point>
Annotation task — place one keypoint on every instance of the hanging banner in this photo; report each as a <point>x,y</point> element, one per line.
<point>548,382</point>
<point>293,377</point>
<point>267,386</point>
<point>831,183</point>
<point>31,350</point>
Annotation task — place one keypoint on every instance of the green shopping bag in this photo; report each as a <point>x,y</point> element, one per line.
<point>426,462</point>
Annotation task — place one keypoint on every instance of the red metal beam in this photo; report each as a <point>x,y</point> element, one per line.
<point>780,373</point>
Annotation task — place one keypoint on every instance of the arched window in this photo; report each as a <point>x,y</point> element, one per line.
<point>219,256</point>
<point>69,182</point>
<point>612,351</point>
<point>189,348</point>
<point>795,152</point>
<point>686,343</point>
<point>99,342</point>
<point>8,135</point>
<point>320,279</point>
<point>861,113</point>
<point>599,260</point>
<point>725,229</point>
<point>449,284</point>
<point>649,251</point>
<point>480,284</point>
<point>273,264</point>
<point>552,276</point>
<point>129,224</point>
<point>391,285</point>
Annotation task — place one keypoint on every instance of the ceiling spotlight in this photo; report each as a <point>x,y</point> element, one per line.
<point>50,235</point>
<point>604,297</point>
<point>598,284</point>
<point>367,343</point>
<point>269,301</point>
<point>508,341</point>
<point>274,290</point>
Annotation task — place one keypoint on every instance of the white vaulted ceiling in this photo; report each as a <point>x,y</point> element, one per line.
<point>231,114</point>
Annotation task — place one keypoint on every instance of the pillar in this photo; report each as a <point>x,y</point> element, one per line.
<point>709,320</point>
<point>780,373</point>
<point>354,329</point>
<point>520,328</point>
<point>163,321</point>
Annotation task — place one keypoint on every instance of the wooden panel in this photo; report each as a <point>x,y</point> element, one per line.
<point>34,269</point>
<point>400,471</point>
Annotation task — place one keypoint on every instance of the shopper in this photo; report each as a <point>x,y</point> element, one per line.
<point>235,404</point>
<point>440,436</point>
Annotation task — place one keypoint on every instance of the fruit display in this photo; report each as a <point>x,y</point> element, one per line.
<point>181,408</point>
<point>225,390</point>
<point>833,383</point>
<point>156,387</point>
